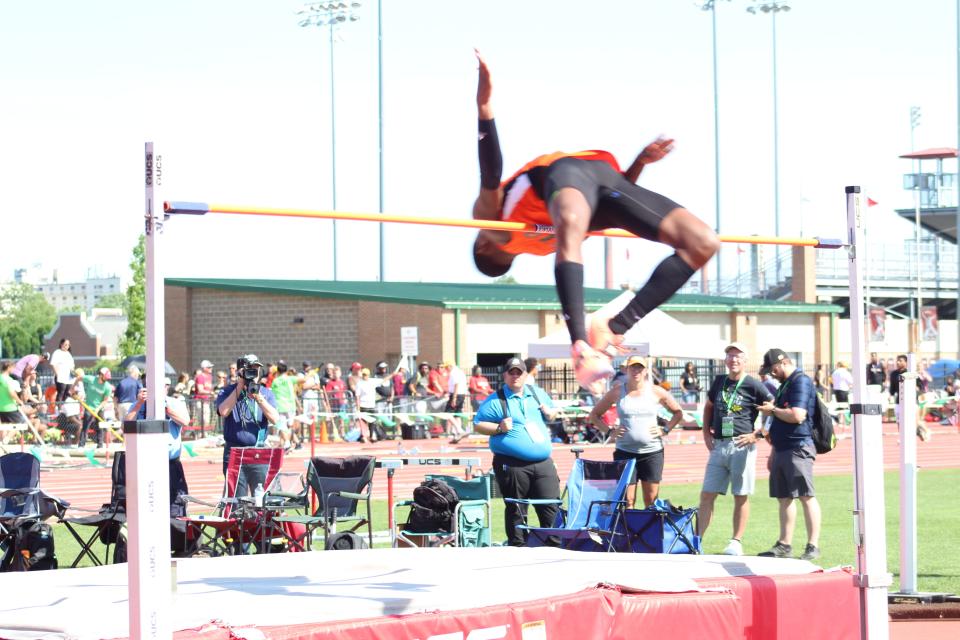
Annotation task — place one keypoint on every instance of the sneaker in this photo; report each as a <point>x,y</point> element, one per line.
<point>923,432</point>
<point>778,550</point>
<point>812,552</point>
<point>589,365</point>
<point>601,337</point>
<point>734,548</point>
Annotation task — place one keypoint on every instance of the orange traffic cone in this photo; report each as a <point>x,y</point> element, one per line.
<point>324,438</point>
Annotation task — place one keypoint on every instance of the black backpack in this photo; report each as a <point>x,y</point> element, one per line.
<point>345,541</point>
<point>822,426</point>
<point>433,505</point>
<point>31,549</point>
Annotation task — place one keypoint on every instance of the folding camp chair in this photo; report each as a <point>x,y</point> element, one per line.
<point>22,504</point>
<point>660,528</point>
<point>339,485</point>
<point>595,502</point>
<point>236,520</point>
<point>470,524</point>
<point>109,522</point>
<point>106,522</point>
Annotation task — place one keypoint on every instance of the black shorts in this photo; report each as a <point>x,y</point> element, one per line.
<point>648,466</point>
<point>616,202</point>
<point>11,417</point>
<point>455,404</point>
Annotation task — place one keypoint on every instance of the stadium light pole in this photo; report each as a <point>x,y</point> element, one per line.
<point>773,8</point>
<point>383,245</point>
<point>330,15</point>
<point>711,6</point>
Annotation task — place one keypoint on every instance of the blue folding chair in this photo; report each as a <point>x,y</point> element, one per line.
<point>595,501</point>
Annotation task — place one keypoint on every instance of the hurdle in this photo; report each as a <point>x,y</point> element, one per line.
<point>149,580</point>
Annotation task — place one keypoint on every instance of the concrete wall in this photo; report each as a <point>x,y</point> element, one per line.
<point>178,323</point>
<point>499,332</point>
<point>379,332</point>
<point>898,340</point>
<point>226,325</point>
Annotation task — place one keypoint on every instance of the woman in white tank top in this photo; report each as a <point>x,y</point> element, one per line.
<point>637,435</point>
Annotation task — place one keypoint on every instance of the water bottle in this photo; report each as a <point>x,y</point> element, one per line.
<point>258,495</point>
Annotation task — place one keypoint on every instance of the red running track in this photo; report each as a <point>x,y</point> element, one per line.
<point>88,487</point>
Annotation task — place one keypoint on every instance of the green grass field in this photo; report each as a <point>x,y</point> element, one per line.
<point>939,562</point>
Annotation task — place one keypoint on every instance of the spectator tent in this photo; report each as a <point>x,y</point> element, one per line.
<point>657,334</point>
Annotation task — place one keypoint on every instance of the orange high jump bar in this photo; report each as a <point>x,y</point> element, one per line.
<point>201,208</point>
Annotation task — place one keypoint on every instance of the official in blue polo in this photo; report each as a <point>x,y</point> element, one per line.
<point>791,461</point>
<point>520,441</point>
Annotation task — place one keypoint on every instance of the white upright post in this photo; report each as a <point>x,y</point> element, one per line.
<point>908,478</point>
<point>148,485</point>
<point>869,509</point>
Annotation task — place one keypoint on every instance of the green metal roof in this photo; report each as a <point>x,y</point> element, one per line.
<point>455,295</point>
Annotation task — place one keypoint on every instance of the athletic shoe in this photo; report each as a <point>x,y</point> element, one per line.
<point>778,550</point>
<point>734,548</point>
<point>812,552</point>
<point>590,366</point>
<point>601,337</point>
<point>923,432</point>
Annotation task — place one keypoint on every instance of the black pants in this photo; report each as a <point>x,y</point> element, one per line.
<point>90,422</point>
<point>523,479</point>
<point>62,389</point>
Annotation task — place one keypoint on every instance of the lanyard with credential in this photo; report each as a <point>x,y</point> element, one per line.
<point>783,388</point>
<point>728,400</point>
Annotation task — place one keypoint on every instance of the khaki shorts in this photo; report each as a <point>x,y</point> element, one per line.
<point>731,466</point>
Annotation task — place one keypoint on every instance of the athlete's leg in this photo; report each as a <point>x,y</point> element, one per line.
<point>571,212</point>
<point>695,244</point>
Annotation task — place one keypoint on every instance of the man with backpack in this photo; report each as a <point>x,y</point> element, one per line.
<point>520,442</point>
<point>791,460</point>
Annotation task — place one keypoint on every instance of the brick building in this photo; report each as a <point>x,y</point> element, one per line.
<point>320,321</point>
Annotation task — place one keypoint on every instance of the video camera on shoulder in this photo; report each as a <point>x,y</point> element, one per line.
<point>249,369</point>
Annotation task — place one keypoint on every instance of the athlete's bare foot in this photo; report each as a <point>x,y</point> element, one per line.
<point>601,336</point>
<point>591,367</point>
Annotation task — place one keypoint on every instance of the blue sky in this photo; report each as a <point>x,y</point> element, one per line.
<point>237,98</point>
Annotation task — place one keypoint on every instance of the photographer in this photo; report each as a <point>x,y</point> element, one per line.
<point>248,411</point>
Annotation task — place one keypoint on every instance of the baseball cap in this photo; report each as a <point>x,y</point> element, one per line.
<point>735,345</point>
<point>206,364</point>
<point>770,358</point>
<point>105,372</point>
<point>514,363</point>
<point>167,381</point>
<point>381,365</point>
<point>636,360</point>
<point>305,364</point>
<point>356,365</point>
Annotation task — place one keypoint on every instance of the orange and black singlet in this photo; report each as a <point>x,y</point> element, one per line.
<point>523,201</point>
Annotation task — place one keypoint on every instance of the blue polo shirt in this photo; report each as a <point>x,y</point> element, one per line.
<point>524,410</point>
<point>128,389</point>
<point>796,391</point>
<point>243,424</point>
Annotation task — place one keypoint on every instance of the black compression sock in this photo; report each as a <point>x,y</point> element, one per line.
<point>569,278</point>
<point>666,280</point>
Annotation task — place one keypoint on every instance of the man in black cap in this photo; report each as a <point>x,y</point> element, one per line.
<point>791,461</point>
<point>520,442</point>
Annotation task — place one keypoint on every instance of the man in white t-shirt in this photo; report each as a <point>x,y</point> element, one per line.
<point>842,381</point>
<point>457,390</point>
<point>62,362</point>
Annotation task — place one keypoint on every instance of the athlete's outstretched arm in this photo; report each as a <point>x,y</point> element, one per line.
<point>654,151</point>
<point>487,205</point>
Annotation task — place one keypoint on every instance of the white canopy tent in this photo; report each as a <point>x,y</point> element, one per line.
<point>656,334</point>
